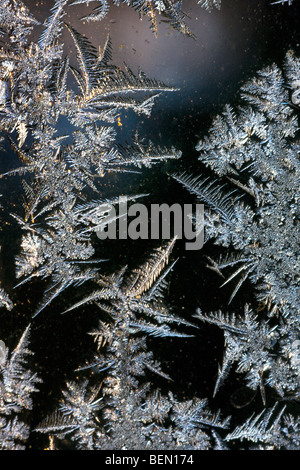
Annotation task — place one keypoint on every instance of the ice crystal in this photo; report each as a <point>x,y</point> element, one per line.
<point>127,415</point>
<point>209,4</point>
<point>258,351</point>
<point>34,96</point>
<point>253,151</point>
<point>256,149</point>
<point>170,10</point>
<point>5,300</point>
<point>289,2</point>
<point>281,434</point>
<point>137,294</point>
<point>17,383</point>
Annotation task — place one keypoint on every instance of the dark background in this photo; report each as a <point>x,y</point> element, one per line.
<point>231,45</point>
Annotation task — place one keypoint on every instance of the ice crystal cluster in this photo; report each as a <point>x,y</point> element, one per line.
<point>209,4</point>
<point>170,10</point>
<point>34,76</point>
<point>254,149</point>
<point>17,383</point>
<point>123,412</point>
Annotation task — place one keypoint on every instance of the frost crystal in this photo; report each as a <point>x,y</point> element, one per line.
<point>17,383</point>
<point>209,4</point>
<point>34,95</point>
<point>126,415</point>
<point>251,213</point>
<point>256,149</point>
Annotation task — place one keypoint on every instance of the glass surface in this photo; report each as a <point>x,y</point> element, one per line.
<point>230,45</point>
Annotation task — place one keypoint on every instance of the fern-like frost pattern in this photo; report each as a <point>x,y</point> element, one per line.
<point>251,202</point>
